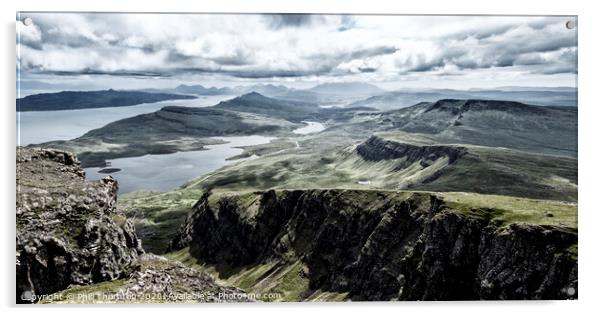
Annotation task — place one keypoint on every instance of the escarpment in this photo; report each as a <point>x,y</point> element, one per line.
<point>376,149</point>
<point>385,245</point>
<point>395,161</point>
<point>461,106</point>
<point>68,230</point>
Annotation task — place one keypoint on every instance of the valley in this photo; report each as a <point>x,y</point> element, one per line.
<point>282,245</point>
<point>491,169</point>
<point>379,245</point>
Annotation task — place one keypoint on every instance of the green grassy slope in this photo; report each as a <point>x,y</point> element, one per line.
<point>481,170</point>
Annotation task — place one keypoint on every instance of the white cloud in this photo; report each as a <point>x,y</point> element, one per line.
<point>380,48</point>
<point>28,34</point>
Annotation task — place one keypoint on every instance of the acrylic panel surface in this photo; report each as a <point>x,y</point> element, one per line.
<point>190,158</point>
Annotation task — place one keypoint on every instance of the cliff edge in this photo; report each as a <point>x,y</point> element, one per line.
<point>388,245</point>
<point>68,230</point>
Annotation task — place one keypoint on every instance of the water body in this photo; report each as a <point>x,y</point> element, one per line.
<point>146,173</point>
<point>161,173</point>
<point>43,126</point>
<point>311,127</point>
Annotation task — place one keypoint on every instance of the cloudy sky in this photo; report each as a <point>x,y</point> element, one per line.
<point>163,50</point>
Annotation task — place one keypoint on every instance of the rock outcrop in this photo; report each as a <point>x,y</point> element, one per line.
<point>385,245</point>
<point>396,161</point>
<point>154,279</point>
<point>68,229</point>
<point>456,106</point>
<point>377,149</point>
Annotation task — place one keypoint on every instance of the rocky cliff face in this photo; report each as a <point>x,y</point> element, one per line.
<point>461,106</point>
<point>68,230</point>
<point>154,279</point>
<point>74,244</point>
<point>385,245</point>
<point>376,149</point>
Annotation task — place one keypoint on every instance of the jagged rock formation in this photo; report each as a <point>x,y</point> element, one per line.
<point>71,237</point>
<point>386,245</point>
<point>68,230</point>
<point>154,280</point>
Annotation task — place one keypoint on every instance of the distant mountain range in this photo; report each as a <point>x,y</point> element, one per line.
<point>200,90</point>
<point>75,100</point>
<point>561,96</point>
<point>354,94</point>
<point>342,88</point>
<point>254,102</point>
<point>339,94</point>
<point>344,94</point>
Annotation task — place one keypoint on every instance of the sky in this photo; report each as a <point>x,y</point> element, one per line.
<point>108,50</point>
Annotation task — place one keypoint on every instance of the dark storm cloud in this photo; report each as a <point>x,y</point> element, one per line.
<point>119,73</point>
<point>319,64</point>
<point>479,33</point>
<point>370,52</point>
<point>238,58</point>
<point>556,69</point>
<point>529,51</point>
<point>421,64</point>
<point>279,21</point>
<point>33,44</point>
<point>260,74</point>
<point>498,58</point>
<point>540,43</point>
<point>254,73</point>
<point>336,58</point>
<point>565,62</point>
<point>367,69</point>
